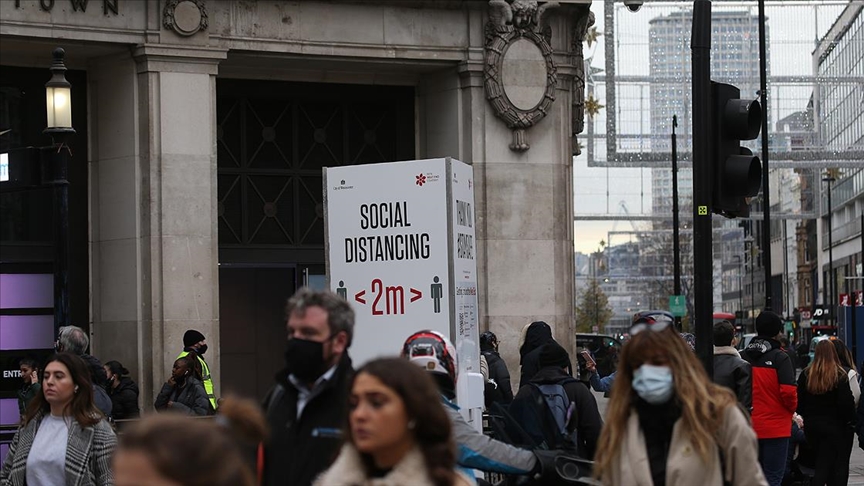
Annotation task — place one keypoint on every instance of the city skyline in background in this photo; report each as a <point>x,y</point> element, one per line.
<point>609,190</point>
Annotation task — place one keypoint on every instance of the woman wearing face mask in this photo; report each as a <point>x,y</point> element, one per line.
<point>399,433</point>
<point>123,392</point>
<point>668,422</point>
<point>184,392</point>
<point>64,438</point>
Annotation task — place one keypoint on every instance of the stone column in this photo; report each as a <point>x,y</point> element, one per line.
<point>524,196</point>
<point>155,245</point>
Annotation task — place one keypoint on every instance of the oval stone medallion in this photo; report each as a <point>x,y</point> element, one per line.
<point>523,74</point>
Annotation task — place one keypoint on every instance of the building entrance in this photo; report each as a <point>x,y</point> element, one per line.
<point>273,140</point>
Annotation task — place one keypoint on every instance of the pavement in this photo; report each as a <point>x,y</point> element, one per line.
<point>856,466</point>
<point>856,461</point>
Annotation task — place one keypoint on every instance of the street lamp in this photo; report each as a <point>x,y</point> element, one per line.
<point>740,287</point>
<point>58,98</point>
<point>829,178</point>
<point>750,240</point>
<point>58,106</point>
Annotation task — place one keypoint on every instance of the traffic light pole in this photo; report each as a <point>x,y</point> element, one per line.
<point>700,46</point>
<point>766,203</point>
<point>676,241</point>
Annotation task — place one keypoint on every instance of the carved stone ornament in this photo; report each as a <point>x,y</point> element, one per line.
<point>185,17</point>
<point>520,75</point>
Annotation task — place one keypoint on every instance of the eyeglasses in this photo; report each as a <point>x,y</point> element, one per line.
<point>650,324</point>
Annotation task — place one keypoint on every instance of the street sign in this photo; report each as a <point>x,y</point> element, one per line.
<point>677,305</point>
<point>401,249</point>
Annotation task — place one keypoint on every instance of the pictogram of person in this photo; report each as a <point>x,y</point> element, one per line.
<point>341,291</point>
<point>437,293</point>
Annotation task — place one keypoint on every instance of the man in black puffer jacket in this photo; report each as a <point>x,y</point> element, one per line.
<point>729,369</point>
<point>498,372</point>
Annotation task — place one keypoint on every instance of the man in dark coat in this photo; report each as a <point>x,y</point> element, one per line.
<point>537,334</point>
<point>498,372</point>
<point>729,369</point>
<point>306,408</point>
<point>73,339</point>
<point>585,418</point>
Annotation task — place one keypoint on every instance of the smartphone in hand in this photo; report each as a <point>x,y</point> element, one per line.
<point>588,359</point>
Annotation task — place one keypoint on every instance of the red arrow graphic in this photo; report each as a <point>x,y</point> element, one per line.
<point>417,294</point>
<point>359,296</point>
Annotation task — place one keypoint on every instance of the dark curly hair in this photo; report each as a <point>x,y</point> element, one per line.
<point>432,430</point>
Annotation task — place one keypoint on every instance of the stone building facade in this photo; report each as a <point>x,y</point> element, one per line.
<point>206,124</point>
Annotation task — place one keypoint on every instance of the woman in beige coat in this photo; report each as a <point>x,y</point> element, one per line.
<point>399,433</point>
<point>668,425</point>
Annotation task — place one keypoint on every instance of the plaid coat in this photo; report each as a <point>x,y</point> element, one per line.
<point>88,455</point>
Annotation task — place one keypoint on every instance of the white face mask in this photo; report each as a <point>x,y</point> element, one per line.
<point>653,384</point>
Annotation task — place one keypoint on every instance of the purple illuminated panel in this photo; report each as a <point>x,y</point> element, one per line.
<point>26,332</point>
<point>26,290</point>
<point>9,411</point>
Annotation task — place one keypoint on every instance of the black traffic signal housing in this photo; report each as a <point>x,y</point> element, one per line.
<point>737,172</point>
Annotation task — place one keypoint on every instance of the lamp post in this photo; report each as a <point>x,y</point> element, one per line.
<point>829,178</point>
<point>740,287</point>
<point>58,104</point>
<point>749,240</point>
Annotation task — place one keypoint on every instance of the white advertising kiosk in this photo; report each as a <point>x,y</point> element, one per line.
<point>401,249</point>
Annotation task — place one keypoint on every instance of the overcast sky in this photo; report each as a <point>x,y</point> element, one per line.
<point>791,42</point>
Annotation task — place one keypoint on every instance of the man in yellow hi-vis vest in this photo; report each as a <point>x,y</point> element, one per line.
<point>195,341</point>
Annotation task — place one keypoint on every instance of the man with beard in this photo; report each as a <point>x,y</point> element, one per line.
<point>306,408</point>
<point>194,342</point>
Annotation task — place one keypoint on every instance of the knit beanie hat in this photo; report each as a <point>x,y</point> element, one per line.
<point>191,337</point>
<point>552,354</point>
<point>768,324</point>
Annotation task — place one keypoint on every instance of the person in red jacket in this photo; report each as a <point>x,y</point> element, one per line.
<point>775,395</point>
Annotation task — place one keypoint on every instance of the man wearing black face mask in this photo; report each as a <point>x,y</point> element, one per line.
<point>306,408</point>
<point>195,341</point>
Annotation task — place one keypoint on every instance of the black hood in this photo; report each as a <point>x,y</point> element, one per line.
<point>759,346</point>
<point>538,334</point>
<point>549,374</point>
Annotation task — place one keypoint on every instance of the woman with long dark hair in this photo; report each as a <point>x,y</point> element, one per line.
<point>667,424</point>
<point>826,403</point>
<point>399,433</point>
<point>64,438</point>
<point>123,392</point>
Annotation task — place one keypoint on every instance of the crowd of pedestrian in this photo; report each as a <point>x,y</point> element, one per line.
<point>395,421</point>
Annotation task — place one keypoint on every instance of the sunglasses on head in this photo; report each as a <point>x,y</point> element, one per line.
<point>650,323</point>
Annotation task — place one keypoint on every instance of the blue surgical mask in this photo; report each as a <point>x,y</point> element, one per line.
<point>653,383</point>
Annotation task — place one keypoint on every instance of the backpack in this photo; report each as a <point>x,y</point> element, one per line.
<point>102,400</point>
<point>545,412</point>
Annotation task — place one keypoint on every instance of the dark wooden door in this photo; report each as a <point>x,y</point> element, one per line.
<point>252,326</point>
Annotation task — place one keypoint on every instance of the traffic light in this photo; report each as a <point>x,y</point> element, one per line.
<point>737,172</point>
